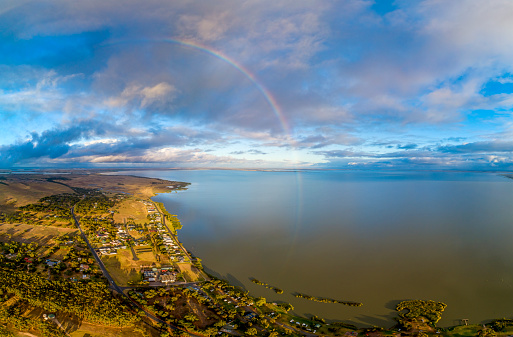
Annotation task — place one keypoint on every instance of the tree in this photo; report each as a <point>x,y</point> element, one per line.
<point>431,310</point>
<point>251,331</point>
<point>260,301</point>
<point>190,317</point>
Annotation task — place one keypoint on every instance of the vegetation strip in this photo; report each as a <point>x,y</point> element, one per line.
<point>327,300</point>
<point>276,290</point>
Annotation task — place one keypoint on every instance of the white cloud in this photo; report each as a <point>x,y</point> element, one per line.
<point>143,96</point>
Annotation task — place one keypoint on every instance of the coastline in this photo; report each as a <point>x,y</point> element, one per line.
<point>165,214</point>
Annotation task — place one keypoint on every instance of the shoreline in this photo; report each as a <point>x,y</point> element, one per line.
<point>447,324</point>
<point>166,215</point>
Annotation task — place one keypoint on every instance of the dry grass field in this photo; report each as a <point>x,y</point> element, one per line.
<point>15,192</point>
<point>29,233</point>
<point>121,274</point>
<point>123,268</point>
<point>138,186</point>
<point>187,269</point>
<point>90,330</point>
<point>131,209</point>
<point>22,189</point>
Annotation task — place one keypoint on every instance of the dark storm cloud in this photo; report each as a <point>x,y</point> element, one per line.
<point>138,144</point>
<point>49,144</point>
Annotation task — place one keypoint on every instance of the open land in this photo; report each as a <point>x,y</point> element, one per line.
<point>90,255</point>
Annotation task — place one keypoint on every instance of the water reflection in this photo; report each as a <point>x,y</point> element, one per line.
<point>370,237</point>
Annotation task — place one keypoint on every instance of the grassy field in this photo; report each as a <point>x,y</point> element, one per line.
<point>20,192</point>
<point>89,330</point>
<point>120,274</point>
<point>29,233</point>
<point>131,208</point>
<point>187,269</point>
<point>137,186</point>
<point>123,268</point>
<point>135,234</point>
<point>21,189</point>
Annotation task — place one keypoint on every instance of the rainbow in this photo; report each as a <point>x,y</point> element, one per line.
<point>194,45</point>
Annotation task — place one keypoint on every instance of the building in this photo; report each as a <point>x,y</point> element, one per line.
<point>168,278</point>
<point>52,263</point>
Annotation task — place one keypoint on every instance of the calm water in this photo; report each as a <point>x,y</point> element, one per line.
<point>371,237</point>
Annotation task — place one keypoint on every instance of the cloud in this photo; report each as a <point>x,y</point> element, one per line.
<point>300,76</point>
<point>253,151</point>
<point>169,157</point>
<point>144,97</point>
<point>49,144</point>
<point>479,147</point>
<point>407,146</point>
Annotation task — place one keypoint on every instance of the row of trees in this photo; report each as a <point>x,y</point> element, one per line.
<point>276,290</point>
<point>172,219</point>
<point>327,300</point>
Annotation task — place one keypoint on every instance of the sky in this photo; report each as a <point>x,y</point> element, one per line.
<point>343,84</point>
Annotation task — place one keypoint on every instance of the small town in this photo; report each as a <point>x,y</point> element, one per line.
<point>152,236</point>
<point>114,247</point>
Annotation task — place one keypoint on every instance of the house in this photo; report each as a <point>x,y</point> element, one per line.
<point>84,267</point>
<point>52,263</point>
<point>48,316</point>
<point>249,316</point>
<point>167,278</point>
<point>149,274</point>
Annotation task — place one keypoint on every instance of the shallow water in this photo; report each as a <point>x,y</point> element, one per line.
<point>370,237</point>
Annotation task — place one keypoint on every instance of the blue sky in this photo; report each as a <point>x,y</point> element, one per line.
<point>257,84</point>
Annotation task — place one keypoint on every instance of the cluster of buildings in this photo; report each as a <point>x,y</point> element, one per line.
<point>164,275</point>
<point>149,206</point>
<point>107,251</point>
<point>156,221</point>
<point>52,263</point>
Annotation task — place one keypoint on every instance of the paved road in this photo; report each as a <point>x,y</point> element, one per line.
<point>113,284</point>
<point>134,256</point>
<point>163,217</point>
<point>95,255</point>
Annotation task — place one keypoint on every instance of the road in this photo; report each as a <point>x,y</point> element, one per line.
<point>60,326</point>
<point>113,284</point>
<point>163,217</point>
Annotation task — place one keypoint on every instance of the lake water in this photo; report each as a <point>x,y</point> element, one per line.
<point>370,237</point>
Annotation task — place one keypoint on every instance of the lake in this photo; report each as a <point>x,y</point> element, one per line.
<point>370,237</point>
